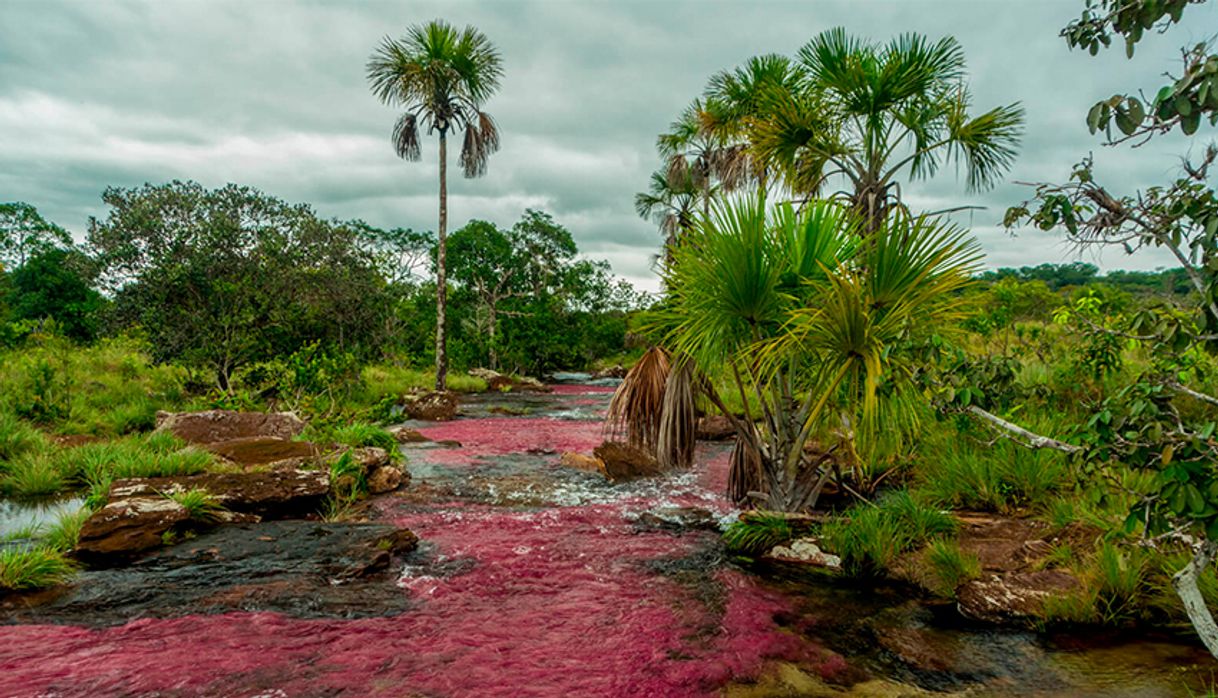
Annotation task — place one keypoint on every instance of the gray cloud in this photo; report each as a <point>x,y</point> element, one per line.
<point>273,95</point>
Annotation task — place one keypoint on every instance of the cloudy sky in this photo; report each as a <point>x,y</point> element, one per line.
<point>273,95</point>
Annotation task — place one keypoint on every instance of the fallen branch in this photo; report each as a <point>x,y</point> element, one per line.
<point>1185,583</point>
<point>1193,393</point>
<point>1027,438</point>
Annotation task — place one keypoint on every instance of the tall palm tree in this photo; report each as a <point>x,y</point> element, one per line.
<point>690,147</point>
<point>671,201</point>
<point>441,77</point>
<point>870,114</point>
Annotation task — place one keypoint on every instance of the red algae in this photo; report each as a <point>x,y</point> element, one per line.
<point>549,601</point>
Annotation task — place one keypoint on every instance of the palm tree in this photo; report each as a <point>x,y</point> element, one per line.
<point>805,321</point>
<point>441,77</point>
<point>671,201</point>
<point>870,114</point>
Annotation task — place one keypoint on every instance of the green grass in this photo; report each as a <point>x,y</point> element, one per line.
<point>951,566</point>
<point>33,567</point>
<point>33,476</point>
<point>869,538</point>
<point>64,534</point>
<point>757,533</point>
<point>19,438</point>
<point>385,380</point>
<point>347,477</point>
<point>199,504</point>
<point>354,434</point>
<point>955,471</point>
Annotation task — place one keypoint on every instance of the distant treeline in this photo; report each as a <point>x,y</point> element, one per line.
<point>1060,276</point>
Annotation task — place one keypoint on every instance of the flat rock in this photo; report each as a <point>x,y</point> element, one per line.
<point>624,462</point>
<point>302,569</point>
<point>213,426</point>
<point>1013,596</point>
<point>580,461</point>
<point>805,551</point>
<point>273,494</point>
<point>128,526</point>
<point>263,450</point>
<point>408,436</point>
<point>431,406</point>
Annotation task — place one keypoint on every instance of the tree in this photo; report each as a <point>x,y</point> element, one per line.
<point>1161,421</point>
<point>222,278</point>
<point>24,232</point>
<point>806,322</point>
<point>671,202</point>
<point>56,283</point>
<point>872,114</point>
<point>441,77</point>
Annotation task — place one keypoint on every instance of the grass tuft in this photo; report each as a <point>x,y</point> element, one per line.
<point>33,567</point>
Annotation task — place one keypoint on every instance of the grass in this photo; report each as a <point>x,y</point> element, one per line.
<point>386,380</point>
<point>869,538</point>
<point>951,566</point>
<point>33,567</point>
<point>356,435</point>
<point>347,477</point>
<point>64,534</point>
<point>201,505</point>
<point>19,438</point>
<point>758,533</point>
<point>958,472</point>
<point>34,476</point>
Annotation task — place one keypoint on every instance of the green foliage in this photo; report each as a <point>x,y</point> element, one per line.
<point>64,534</point>
<point>33,476</point>
<point>757,533</point>
<point>33,567</point>
<point>955,470</point>
<point>24,233</point>
<point>347,477</point>
<point>56,284</point>
<point>869,537</point>
<point>951,566</point>
<point>18,438</point>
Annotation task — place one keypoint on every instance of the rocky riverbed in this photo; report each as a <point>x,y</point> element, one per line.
<point>531,577</point>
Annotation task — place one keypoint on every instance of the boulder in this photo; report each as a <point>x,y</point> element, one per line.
<point>264,450</point>
<point>213,426</point>
<point>579,461</point>
<point>805,551</point>
<point>385,478</point>
<point>618,371</point>
<point>128,526</point>
<point>714,427</point>
<point>407,436</point>
<point>497,381</point>
<point>273,494</point>
<point>623,461</point>
<point>369,457</point>
<point>1013,596</point>
<point>431,406</point>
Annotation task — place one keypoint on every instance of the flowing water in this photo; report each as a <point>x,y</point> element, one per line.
<point>537,580</point>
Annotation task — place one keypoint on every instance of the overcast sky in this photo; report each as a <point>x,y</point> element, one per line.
<point>273,95</point>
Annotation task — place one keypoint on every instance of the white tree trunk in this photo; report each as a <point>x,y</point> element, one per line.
<point>1185,583</point>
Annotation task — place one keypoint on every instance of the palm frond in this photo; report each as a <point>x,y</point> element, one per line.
<point>406,137</point>
<point>637,404</point>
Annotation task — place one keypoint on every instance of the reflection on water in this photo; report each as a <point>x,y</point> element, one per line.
<point>21,515</point>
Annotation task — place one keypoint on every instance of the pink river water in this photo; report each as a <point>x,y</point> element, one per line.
<point>569,597</point>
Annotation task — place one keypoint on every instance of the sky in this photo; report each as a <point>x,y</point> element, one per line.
<point>273,94</point>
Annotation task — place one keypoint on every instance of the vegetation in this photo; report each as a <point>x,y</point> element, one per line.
<point>33,567</point>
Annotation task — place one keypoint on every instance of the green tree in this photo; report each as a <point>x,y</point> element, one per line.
<point>221,278</point>
<point>671,202</point>
<point>441,77</point>
<point>807,323</point>
<point>56,283</point>
<point>872,115</point>
<point>24,232</point>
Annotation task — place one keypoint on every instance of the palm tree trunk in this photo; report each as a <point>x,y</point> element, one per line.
<point>441,274</point>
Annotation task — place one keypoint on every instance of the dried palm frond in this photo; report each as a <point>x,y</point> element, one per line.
<point>744,474</point>
<point>678,423</point>
<point>637,405</point>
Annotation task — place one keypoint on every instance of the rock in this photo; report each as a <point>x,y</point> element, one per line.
<point>714,427</point>
<point>498,382</point>
<point>273,494</point>
<point>805,551</point>
<point>1014,596</point>
<point>678,519</point>
<point>617,371</point>
<point>213,426</point>
<point>579,461</point>
<point>263,450</point>
<point>385,478</point>
<point>407,436</point>
<point>623,461</point>
<point>368,457</point>
<point>431,406</point>
<point>128,526</point>
<point>380,553</point>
